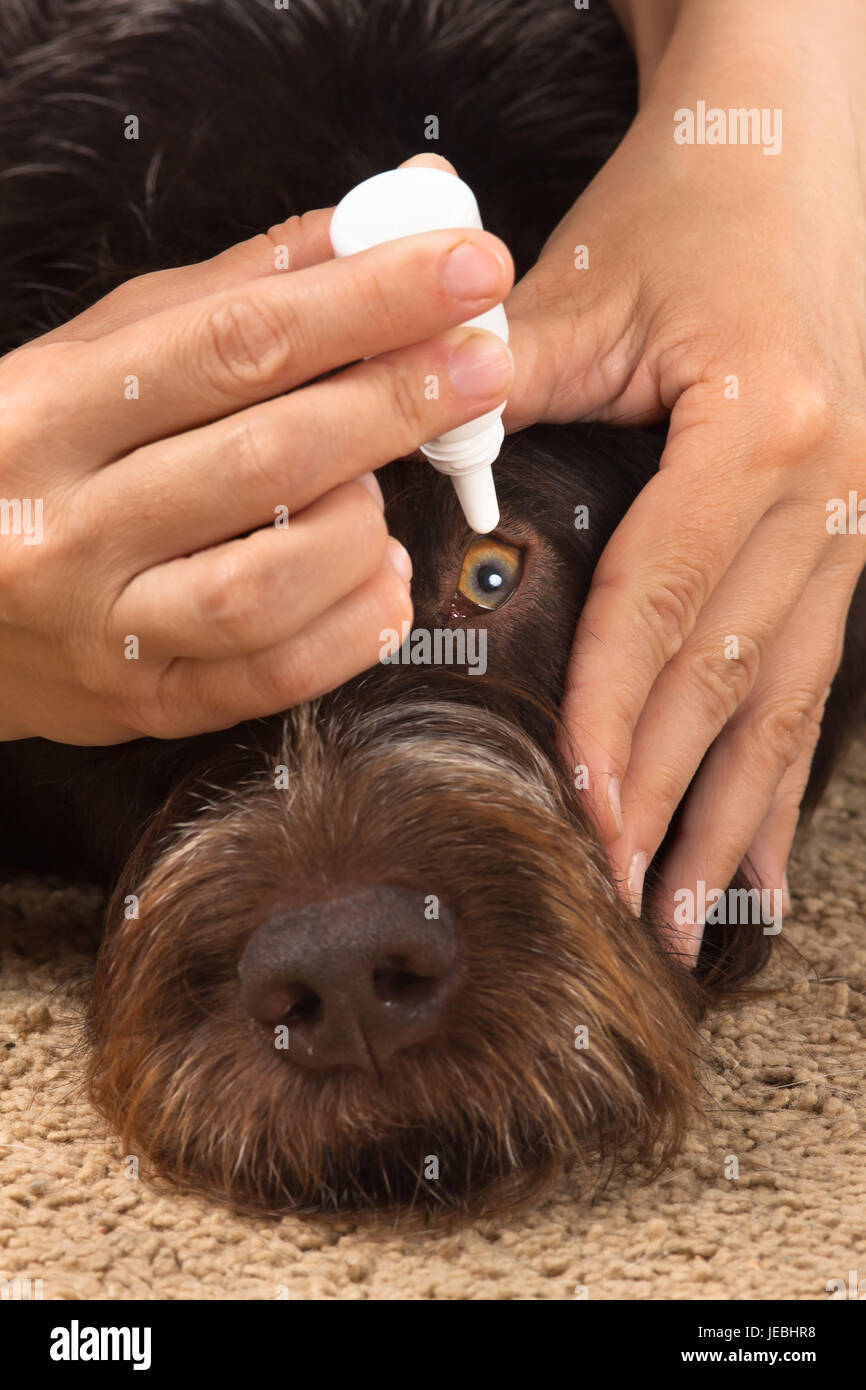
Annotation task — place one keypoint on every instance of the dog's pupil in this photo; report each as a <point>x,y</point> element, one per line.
<point>489,580</point>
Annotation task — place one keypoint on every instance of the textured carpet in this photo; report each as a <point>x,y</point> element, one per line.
<point>785,1097</point>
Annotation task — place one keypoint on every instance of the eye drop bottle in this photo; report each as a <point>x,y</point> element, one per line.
<point>399,203</point>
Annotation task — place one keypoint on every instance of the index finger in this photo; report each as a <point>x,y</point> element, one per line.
<point>295,244</point>
<point>292,244</point>
<point>252,342</point>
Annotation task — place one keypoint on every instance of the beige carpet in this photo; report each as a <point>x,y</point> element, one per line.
<point>785,1096</point>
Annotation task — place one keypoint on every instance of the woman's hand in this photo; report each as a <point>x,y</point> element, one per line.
<point>726,286</point>
<point>152,450</point>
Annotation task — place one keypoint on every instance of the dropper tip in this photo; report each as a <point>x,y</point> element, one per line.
<point>476,493</point>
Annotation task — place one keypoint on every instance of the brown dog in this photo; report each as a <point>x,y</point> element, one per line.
<point>368,951</point>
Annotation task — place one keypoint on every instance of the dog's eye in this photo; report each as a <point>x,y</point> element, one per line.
<point>491,572</point>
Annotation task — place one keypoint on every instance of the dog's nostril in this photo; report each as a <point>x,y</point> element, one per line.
<point>394,981</point>
<point>305,1008</point>
<point>356,979</point>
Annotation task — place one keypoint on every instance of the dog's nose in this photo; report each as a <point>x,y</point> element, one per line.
<point>354,980</point>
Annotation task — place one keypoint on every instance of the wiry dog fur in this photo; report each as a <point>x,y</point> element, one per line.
<point>428,779</point>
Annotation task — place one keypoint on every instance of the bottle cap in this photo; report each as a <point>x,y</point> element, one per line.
<point>401,202</point>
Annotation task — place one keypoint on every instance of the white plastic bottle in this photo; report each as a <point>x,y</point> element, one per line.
<point>399,203</point>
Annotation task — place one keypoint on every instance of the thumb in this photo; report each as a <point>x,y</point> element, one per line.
<point>540,346</point>
<point>429,161</point>
<point>568,335</point>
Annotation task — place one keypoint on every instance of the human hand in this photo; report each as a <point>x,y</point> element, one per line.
<point>724,286</point>
<point>141,442</point>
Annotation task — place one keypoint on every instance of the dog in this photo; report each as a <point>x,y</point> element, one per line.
<point>350,951</point>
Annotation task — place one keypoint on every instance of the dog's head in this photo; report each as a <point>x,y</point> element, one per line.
<point>373,952</point>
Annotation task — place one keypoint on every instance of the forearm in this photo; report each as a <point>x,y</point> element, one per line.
<point>648,24</point>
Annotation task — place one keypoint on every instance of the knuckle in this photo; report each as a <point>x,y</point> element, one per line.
<point>403,401</point>
<point>98,670</point>
<point>135,291</point>
<point>159,715</point>
<point>91,647</point>
<point>42,558</point>
<point>246,443</point>
<point>294,672</point>
<point>668,789</point>
<point>783,729</point>
<point>287,235</point>
<point>723,681</point>
<point>802,417</point>
<point>376,288</point>
<point>151,722</point>
<point>228,603</point>
<point>294,678</point>
<point>31,406</point>
<point>246,344</point>
<point>79,551</point>
<point>169,709</point>
<point>288,682</point>
<point>670,606</point>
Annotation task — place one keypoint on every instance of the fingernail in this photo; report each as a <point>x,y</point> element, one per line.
<point>398,556</point>
<point>370,482</point>
<point>481,366</point>
<point>614,801</point>
<point>636,874</point>
<point>472,272</point>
